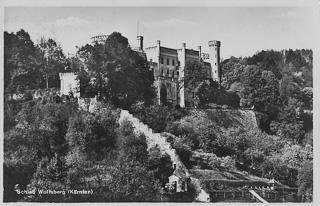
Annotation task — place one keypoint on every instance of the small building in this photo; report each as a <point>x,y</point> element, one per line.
<point>179,181</point>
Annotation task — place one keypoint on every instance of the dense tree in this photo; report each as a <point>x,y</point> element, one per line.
<point>156,116</point>
<point>54,61</point>
<point>160,164</point>
<point>269,60</point>
<point>120,74</point>
<point>40,132</point>
<point>260,89</point>
<point>130,180</point>
<point>93,133</point>
<point>49,175</point>
<point>21,65</point>
<point>193,77</point>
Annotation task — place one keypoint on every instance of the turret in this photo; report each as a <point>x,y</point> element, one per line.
<point>199,47</point>
<point>140,42</point>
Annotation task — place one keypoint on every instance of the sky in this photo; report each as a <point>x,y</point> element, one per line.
<point>242,30</point>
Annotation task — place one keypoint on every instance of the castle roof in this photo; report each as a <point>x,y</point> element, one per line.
<point>192,52</point>
<point>168,50</point>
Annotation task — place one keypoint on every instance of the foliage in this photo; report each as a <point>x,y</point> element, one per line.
<point>40,132</point>
<point>93,133</point>
<point>156,116</point>
<point>131,182</point>
<point>182,149</point>
<point>305,181</point>
<point>160,164</point>
<point>200,90</point>
<point>49,175</point>
<point>53,61</point>
<point>26,65</point>
<point>228,163</point>
<point>120,74</point>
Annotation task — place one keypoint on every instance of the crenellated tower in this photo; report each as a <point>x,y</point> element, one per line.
<point>214,53</point>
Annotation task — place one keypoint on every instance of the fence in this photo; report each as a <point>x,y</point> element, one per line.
<point>246,196</point>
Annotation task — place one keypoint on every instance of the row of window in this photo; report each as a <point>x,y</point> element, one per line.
<point>168,62</point>
<point>168,73</point>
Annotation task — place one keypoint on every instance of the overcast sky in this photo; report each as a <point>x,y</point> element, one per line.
<point>242,30</point>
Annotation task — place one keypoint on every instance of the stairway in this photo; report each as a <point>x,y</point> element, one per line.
<point>154,139</point>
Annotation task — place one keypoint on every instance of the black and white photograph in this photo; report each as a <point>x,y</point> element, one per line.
<point>208,102</point>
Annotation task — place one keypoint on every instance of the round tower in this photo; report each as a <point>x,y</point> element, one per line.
<point>214,53</point>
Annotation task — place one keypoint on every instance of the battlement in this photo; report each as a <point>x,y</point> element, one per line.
<point>150,48</point>
<point>214,43</point>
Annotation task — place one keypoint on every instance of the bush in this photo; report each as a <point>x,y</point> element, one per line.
<point>228,163</point>
<point>155,116</point>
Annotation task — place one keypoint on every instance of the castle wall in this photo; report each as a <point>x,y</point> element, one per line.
<point>169,68</point>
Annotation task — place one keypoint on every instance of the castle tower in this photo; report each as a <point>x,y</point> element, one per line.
<point>140,42</point>
<point>200,59</point>
<point>214,53</point>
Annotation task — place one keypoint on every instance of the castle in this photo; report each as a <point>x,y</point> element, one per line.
<point>168,66</point>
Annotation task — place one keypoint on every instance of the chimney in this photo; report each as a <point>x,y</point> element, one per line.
<point>184,45</point>
<point>140,42</point>
<point>158,42</point>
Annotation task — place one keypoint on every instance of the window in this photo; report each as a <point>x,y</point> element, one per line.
<point>215,71</point>
<point>177,73</point>
<point>182,185</point>
<point>215,63</point>
<point>178,63</point>
<point>168,73</point>
<point>161,60</point>
<point>167,61</point>
<point>172,62</point>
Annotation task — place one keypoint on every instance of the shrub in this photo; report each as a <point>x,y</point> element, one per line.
<point>228,163</point>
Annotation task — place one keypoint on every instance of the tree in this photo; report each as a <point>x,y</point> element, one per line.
<point>193,77</point>
<point>93,133</point>
<point>160,164</point>
<point>121,75</point>
<point>131,182</point>
<point>21,63</point>
<point>54,61</point>
<point>39,133</point>
<point>49,175</point>
<point>260,89</point>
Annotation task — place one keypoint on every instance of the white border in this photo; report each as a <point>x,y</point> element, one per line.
<point>189,3</point>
